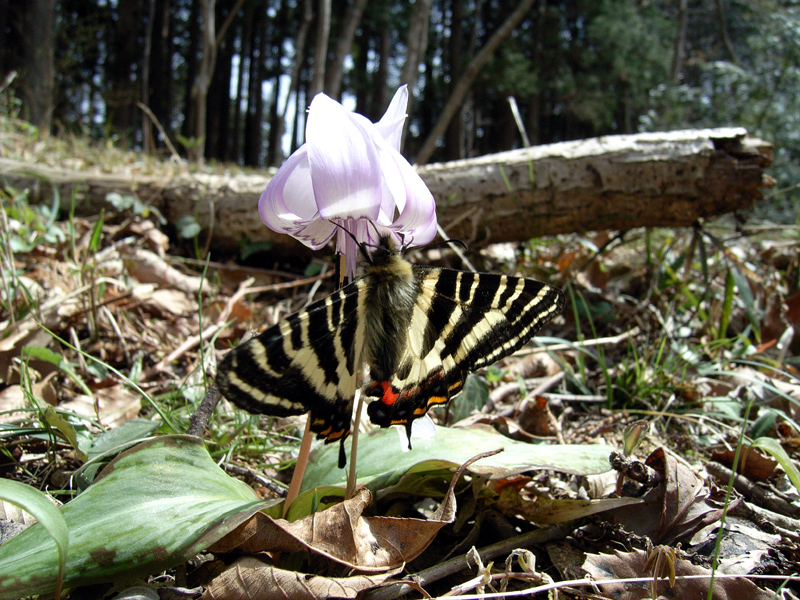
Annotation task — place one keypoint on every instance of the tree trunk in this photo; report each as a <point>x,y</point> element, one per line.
<point>535,109</point>
<point>416,46</point>
<point>211,40</point>
<point>123,90</point>
<point>188,126</point>
<point>38,83</point>
<point>218,105</point>
<point>455,100</point>
<point>454,138</point>
<point>147,126</point>
<point>382,76</point>
<point>723,29</point>
<point>209,57</point>
<point>679,48</point>
<point>321,48</point>
<point>614,182</point>
<point>294,79</point>
<point>162,79</point>
<point>335,71</point>
<point>244,54</point>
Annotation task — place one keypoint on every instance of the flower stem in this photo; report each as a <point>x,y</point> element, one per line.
<point>299,468</point>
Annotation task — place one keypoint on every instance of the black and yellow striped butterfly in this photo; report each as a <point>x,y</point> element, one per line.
<point>421,330</point>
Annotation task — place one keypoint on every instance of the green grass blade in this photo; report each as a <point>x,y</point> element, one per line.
<point>727,305</point>
<point>48,516</point>
<point>772,447</point>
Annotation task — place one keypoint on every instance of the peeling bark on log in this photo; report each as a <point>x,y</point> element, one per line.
<point>613,182</point>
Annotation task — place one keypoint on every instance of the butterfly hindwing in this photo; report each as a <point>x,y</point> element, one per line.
<point>461,322</point>
<point>307,362</point>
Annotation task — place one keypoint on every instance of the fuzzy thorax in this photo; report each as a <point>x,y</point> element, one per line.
<point>391,293</point>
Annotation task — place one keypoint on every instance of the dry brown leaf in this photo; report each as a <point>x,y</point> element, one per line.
<point>539,364</point>
<point>13,400</point>
<point>626,565</point>
<point>147,267</point>
<point>752,464</point>
<point>537,418</point>
<point>153,237</point>
<point>342,534</point>
<point>544,510</point>
<point>115,405</point>
<point>252,577</point>
<point>675,508</point>
<point>164,301</point>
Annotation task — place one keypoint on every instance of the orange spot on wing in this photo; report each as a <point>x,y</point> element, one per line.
<point>389,395</point>
<point>336,435</point>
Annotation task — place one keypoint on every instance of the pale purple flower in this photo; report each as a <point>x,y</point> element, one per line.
<point>349,173</point>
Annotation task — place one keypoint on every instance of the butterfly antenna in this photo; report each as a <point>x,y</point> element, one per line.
<point>362,246</point>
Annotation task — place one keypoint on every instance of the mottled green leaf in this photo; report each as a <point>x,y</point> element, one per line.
<point>45,513</point>
<point>380,458</point>
<point>153,507</point>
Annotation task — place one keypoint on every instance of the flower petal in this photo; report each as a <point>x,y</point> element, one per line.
<point>418,209</point>
<point>345,170</point>
<point>314,233</point>
<point>391,124</point>
<point>289,196</point>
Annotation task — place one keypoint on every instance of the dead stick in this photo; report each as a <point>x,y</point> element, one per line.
<point>454,565</point>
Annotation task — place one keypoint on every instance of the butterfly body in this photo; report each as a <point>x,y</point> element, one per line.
<point>420,330</point>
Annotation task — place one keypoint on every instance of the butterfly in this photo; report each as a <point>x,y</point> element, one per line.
<point>420,329</point>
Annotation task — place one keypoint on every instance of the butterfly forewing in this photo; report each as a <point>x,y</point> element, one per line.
<point>307,362</point>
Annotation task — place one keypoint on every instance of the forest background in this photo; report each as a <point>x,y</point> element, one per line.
<point>230,79</point>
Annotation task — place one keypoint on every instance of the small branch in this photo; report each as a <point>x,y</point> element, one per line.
<point>459,563</point>
<point>175,156</point>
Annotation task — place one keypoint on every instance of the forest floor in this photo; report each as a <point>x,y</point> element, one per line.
<point>675,358</point>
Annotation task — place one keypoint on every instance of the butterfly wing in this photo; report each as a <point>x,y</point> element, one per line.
<point>461,322</point>
<point>307,362</point>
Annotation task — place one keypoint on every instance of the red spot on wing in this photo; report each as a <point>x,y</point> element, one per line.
<point>389,395</point>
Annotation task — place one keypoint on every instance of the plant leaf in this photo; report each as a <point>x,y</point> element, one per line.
<point>46,514</point>
<point>771,446</point>
<point>153,507</point>
<point>381,463</point>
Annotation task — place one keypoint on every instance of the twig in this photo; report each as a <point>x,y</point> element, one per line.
<point>541,389</point>
<point>199,420</point>
<point>606,341</point>
<point>251,475</point>
<point>175,156</point>
<point>753,492</point>
<point>459,563</point>
<point>207,333</point>
<point>595,583</point>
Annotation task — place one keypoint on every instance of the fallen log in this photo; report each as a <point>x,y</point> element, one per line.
<point>613,182</point>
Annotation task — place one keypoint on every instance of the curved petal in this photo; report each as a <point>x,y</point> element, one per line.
<point>420,235</point>
<point>345,170</point>
<point>391,124</point>
<point>314,233</point>
<point>289,196</point>
<point>418,207</point>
